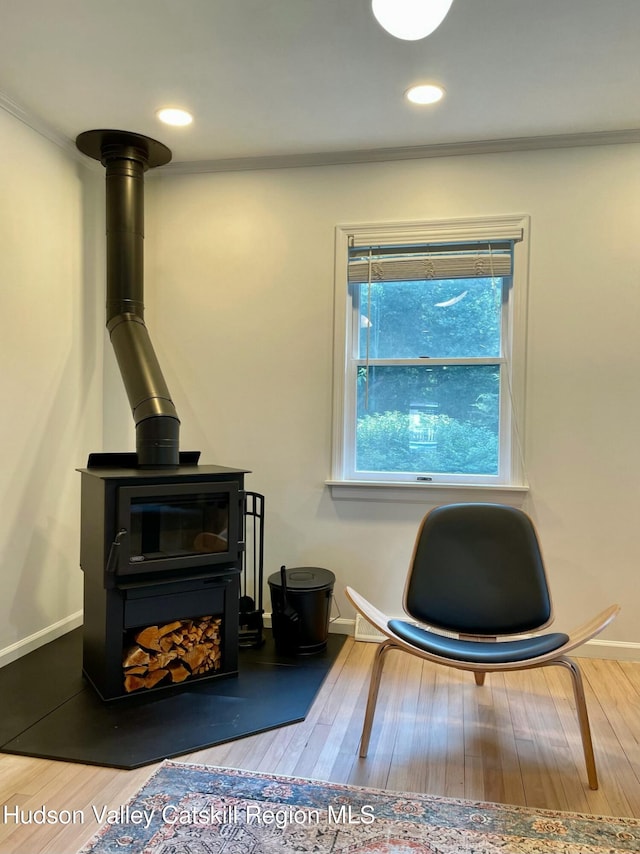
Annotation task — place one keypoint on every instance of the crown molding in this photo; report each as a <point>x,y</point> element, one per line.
<point>338,158</point>
<point>417,152</point>
<point>38,125</point>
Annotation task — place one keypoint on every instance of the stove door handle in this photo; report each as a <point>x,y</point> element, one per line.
<point>112,559</point>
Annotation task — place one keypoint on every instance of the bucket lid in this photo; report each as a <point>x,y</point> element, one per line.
<point>304,578</point>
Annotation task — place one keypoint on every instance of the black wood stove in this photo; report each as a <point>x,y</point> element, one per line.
<point>161,555</point>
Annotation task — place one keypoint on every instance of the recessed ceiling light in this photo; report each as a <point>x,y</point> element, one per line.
<point>426,93</point>
<point>410,19</point>
<point>174,116</point>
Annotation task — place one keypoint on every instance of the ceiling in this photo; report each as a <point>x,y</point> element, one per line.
<point>318,78</point>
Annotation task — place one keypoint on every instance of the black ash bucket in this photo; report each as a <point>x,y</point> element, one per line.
<point>300,609</point>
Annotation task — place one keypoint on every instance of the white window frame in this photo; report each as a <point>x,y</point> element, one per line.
<point>511,481</point>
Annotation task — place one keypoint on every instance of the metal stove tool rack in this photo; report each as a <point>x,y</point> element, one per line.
<point>251,610</point>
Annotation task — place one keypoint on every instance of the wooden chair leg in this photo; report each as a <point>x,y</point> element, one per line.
<point>374,685</point>
<point>583,717</point>
<point>479,676</point>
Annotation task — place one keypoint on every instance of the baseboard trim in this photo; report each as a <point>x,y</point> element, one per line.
<point>44,636</point>
<point>337,626</point>
<point>614,650</point>
<point>357,628</point>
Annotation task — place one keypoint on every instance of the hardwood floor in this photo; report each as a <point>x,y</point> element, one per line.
<point>514,740</point>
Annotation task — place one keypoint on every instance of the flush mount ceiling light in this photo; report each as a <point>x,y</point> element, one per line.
<point>174,116</point>
<point>425,93</point>
<point>410,19</point>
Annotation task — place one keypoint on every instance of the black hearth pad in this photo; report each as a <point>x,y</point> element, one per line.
<point>51,712</point>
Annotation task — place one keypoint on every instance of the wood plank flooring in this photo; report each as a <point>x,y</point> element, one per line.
<point>514,740</point>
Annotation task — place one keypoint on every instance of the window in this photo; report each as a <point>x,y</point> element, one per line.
<point>429,355</point>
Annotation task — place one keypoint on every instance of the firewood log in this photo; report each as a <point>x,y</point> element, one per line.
<point>149,638</point>
<point>154,677</point>
<point>169,627</point>
<point>138,670</point>
<point>178,672</point>
<point>132,683</point>
<point>194,657</point>
<point>135,655</point>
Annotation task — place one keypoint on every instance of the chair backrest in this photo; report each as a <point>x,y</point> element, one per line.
<point>477,569</point>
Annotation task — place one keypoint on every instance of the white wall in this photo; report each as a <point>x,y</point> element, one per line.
<point>245,341</point>
<point>247,351</point>
<point>50,382</point>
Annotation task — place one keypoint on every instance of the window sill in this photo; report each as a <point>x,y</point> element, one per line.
<point>426,493</point>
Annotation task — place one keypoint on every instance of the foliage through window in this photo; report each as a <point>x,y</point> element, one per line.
<point>427,338</point>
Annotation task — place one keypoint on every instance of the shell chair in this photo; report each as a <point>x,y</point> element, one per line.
<point>477,573</point>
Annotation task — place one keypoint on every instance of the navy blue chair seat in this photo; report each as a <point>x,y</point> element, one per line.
<point>478,652</point>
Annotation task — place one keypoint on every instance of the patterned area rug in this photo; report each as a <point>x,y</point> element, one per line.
<point>197,809</point>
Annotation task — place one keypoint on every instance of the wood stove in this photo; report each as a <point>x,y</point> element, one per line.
<point>161,551</point>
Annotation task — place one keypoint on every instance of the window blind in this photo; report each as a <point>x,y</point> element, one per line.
<point>436,261</point>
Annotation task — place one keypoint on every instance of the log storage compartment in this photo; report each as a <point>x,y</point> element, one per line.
<point>161,551</point>
<point>171,652</point>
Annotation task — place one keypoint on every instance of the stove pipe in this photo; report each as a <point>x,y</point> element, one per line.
<point>126,157</point>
